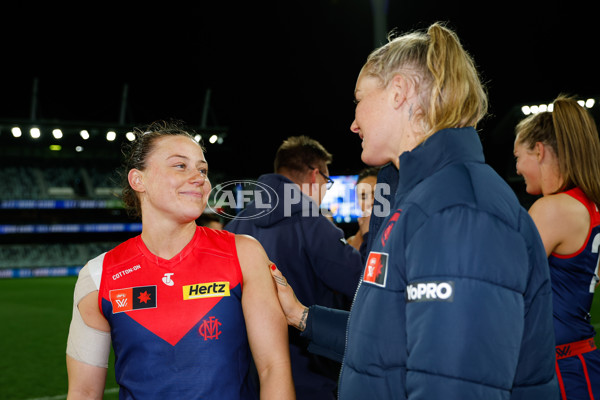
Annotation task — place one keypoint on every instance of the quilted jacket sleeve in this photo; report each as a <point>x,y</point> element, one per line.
<point>469,294</point>
<point>326,331</point>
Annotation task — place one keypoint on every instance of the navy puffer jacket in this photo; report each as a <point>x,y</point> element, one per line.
<point>455,298</point>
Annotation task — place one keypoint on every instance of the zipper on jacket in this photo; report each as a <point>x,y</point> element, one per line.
<point>346,339</point>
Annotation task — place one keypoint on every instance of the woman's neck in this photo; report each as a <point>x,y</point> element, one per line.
<point>166,242</point>
<point>552,180</point>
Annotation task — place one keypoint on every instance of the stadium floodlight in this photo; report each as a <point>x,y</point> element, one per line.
<point>589,103</point>
<point>79,149</point>
<point>111,136</point>
<point>198,138</point>
<point>213,139</point>
<point>85,135</point>
<point>130,136</point>
<point>35,133</point>
<point>16,131</point>
<point>57,133</point>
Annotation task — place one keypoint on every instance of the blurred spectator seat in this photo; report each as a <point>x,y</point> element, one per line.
<point>51,255</point>
<point>64,182</point>
<point>21,183</point>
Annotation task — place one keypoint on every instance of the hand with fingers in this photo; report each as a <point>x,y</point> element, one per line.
<point>295,312</point>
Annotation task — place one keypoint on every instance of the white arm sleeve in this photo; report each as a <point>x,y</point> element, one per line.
<point>86,344</point>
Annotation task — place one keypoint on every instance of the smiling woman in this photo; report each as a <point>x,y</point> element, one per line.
<point>173,182</point>
<point>558,154</point>
<point>152,296</point>
<point>419,100</point>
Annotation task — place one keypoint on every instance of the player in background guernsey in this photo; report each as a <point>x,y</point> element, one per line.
<point>558,154</point>
<point>184,307</point>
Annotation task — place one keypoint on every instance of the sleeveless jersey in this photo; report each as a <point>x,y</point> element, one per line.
<point>177,325</point>
<point>574,279</point>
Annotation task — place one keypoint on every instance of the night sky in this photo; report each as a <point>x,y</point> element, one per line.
<point>277,70</point>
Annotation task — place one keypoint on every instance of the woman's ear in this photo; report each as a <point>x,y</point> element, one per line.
<point>136,180</point>
<point>399,86</point>
<point>539,150</point>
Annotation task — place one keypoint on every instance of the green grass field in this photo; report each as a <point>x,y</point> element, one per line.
<point>35,315</point>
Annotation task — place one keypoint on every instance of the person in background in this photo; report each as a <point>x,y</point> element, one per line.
<point>455,298</point>
<point>181,304</point>
<point>210,220</point>
<point>558,154</point>
<point>304,244</point>
<point>365,193</point>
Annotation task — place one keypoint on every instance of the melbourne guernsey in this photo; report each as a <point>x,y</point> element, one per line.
<point>574,280</point>
<point>177,325</point>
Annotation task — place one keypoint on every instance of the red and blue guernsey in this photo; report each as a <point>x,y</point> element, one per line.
<point>574,279</point>
<point>177,325</point>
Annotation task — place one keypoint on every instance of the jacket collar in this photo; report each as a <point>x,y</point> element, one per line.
<point>443,148</point>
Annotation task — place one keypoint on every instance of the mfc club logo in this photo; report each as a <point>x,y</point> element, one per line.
<point>209,328</point>
<point>230,197</point>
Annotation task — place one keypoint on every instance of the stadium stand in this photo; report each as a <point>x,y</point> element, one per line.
<point>57,216</point>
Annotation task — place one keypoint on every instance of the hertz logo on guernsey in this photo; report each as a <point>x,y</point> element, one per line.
<point>204,290</point>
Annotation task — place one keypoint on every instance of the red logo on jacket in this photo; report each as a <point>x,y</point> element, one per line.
<point>388,228</point>
<point>376,268</point>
